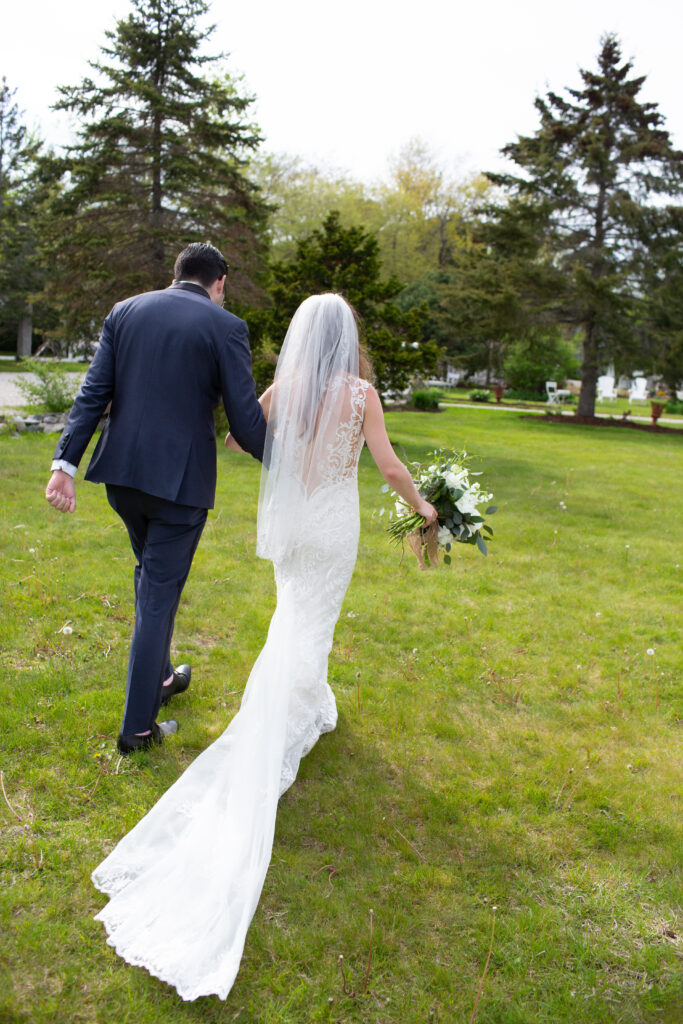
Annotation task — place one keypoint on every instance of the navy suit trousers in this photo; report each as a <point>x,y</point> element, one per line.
<point>164,536</point>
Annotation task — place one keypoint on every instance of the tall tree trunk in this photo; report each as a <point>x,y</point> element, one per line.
<point>589,365</point>
<point>25,333</point>
<point>589,373</point>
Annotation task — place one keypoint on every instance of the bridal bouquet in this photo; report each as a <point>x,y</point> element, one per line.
<point>460,503</point>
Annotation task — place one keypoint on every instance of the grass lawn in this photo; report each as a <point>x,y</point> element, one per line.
<point>507,750</point>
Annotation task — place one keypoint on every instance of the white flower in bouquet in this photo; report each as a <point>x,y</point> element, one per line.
<point>445,536</point>
<point>467,503</point>
<point>455,478</point>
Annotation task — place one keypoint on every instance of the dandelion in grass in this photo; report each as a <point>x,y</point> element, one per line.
<point>461,505</point>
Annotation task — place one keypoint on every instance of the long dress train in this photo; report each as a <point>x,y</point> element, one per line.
<point>185,881</point>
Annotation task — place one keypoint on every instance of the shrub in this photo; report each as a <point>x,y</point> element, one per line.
<point>523,394</point>
<point>480,395</point>
<point>532,360</point>
<point>425,400</point>
<point>47,386</point>
<point>674,405</point>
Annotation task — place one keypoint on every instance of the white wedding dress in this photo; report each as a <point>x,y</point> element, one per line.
<point>185,882</point>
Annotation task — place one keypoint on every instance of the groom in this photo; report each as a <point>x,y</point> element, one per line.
<point>164,362</point>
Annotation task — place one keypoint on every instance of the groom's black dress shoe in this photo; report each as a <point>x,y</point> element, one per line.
<point>181,681</point>
<point>128,742</point>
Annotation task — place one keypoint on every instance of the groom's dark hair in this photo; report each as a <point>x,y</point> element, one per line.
<point>201,262</point>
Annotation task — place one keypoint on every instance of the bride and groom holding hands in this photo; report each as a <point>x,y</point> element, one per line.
<point>164,362</point>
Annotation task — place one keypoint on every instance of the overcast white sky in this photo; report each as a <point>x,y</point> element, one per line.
<point>348,83</point>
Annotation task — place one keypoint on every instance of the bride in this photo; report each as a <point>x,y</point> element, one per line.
<point>208,840</point>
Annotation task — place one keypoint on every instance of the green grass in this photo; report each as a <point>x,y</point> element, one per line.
<point>504,741</point>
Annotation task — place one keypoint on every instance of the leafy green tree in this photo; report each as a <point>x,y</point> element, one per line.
<point>423,214</point>
<point>419,213</point>
<point>535,357</point>
<point>346,260</point>
<point>160,160</point>
<point>595,176</point>
<point>301,195</point>
<point>20,267</point>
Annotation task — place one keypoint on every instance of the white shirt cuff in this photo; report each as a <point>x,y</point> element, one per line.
<point>66,467</point>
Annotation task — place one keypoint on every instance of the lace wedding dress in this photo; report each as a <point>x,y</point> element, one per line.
<point>185,882</point>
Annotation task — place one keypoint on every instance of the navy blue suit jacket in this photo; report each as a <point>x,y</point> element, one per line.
<point>164,361</point>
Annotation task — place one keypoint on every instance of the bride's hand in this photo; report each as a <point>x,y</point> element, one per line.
<point>428,511</point>
<point>231,443</point>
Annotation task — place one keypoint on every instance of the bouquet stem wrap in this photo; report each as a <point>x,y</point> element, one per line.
<point>425,539</point>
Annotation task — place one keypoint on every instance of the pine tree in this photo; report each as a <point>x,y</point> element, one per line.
<point>160,161</point>
<point>592,174</point>
<point>662,326</point>
<point>346,260</point>
<point>20,269</point>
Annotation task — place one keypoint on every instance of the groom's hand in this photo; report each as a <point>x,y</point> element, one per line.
<point>61,492</point>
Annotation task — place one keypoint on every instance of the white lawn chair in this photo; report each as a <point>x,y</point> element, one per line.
<point>638,391</point>
<point>556,396</point>
<point>606,389</point>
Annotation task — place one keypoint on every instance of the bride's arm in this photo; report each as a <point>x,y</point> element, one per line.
<point>388,463</point>
<point>264,402</point>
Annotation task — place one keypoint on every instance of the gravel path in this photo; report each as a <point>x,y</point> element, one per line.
<point>10,395</point>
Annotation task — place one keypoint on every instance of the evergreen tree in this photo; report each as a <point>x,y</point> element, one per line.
<point>593,173</point>
<point>160,161</point>
<point>497,290</point>
<point>346,260</point>
<point>662,326</point>
<point>20,272</point>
